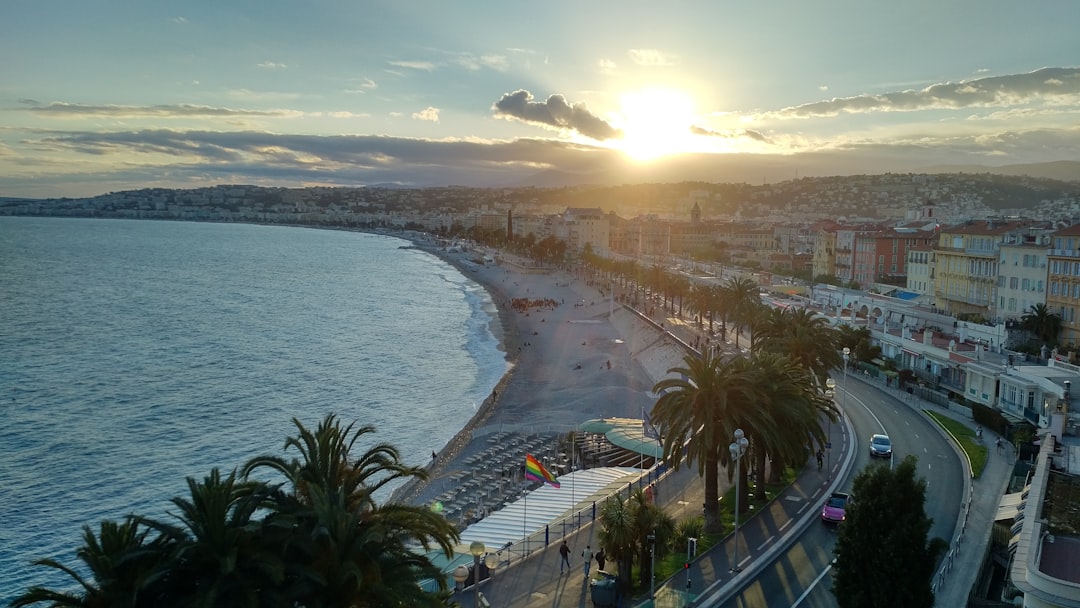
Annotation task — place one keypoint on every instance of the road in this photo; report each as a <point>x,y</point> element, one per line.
<point>800,575</point>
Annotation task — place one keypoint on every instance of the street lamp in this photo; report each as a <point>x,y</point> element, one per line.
<point>461,574</point>
<point>652,567</point>
<point>738,450</point>
<point>843,400</point>
<point>477,549</point>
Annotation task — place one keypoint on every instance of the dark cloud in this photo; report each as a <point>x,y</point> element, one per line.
<point>736,134</point>
<point>556,113</point>
<point>1048,85</point>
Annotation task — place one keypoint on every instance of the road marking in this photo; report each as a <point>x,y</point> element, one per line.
<point>812,585</point>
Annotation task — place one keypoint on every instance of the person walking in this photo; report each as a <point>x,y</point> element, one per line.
<point>820,455</point>
<point>564,551</point>
<point>587,556</point>
<point>601,559</point>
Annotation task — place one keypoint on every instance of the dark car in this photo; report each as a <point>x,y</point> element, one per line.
<point>835,509</point>
<point>880,446</point>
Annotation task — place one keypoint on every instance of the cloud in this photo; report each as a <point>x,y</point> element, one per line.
<point>429,113</point>
<point>730,134</point>
<point>425,66</point>
<point>83,163</point>
<point>1047,85</point>
<point>606,66</point>
<point>554,113</point>
<point>74,110</point>
<point>652,57</point>
<point>272,65</point>
<point>475,63</point>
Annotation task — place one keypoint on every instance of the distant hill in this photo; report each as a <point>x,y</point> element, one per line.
<point>764,169</point>
<point>1064,170</point>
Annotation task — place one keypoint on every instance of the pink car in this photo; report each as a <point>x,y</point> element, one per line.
<point>835,509</point>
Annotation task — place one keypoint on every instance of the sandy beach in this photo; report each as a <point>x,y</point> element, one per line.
<point>575,356</point>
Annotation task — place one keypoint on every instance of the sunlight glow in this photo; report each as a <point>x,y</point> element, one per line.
<point>655,122</point>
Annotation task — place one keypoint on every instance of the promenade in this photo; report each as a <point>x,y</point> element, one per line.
<point>535,582</point>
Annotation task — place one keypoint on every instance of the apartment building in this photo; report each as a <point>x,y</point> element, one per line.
<point>1063,282</point>
<point>966,263</point>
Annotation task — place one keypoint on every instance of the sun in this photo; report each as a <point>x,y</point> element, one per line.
<point>655,123</point>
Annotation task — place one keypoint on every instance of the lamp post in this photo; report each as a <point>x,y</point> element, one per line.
<point>738,450</point>
<point>843,400</point>
<point>652,567</point>
<point>477,549</point>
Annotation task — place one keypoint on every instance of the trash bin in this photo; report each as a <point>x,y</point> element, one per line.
<point>605,591</point>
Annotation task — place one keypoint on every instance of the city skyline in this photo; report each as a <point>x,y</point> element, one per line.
<point>107,96</point>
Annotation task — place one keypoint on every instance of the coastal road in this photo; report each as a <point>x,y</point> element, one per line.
<point>800,576</point>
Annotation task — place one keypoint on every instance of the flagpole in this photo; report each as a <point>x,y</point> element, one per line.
<point>641,451</point>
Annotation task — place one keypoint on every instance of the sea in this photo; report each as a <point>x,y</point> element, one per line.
<point>135,354</point>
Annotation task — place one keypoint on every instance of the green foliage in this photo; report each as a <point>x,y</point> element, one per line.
<point>883,557</point>
<point>320,539</point>
<point>976,450</point>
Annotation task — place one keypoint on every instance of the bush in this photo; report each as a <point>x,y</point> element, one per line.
<point>693,527</point>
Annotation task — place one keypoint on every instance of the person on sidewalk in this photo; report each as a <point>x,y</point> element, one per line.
<point>564,551</point>
<point>587,556</point>
<point>820,456</point>
<point>601,559</point>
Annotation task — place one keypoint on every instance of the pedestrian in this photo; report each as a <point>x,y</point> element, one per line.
<point>564,551</point>
<point>601,559</point>
<point>587,556</point>
<point>1000,448</point>
<point>820,455</point>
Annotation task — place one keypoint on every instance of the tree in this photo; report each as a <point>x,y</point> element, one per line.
<point>883,558</point>
<point>218,556</point>
<point>120,559</point>
<point>355,552</point>
<point>698,409</point>
<point>1040,321</point>
<point>743,298</point>
<point>319,540</point>
<point>804,336</point>
<point>625,525</point>
<point>792,406</point>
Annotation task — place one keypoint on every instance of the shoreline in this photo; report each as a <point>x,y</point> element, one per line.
<point>552,385</point>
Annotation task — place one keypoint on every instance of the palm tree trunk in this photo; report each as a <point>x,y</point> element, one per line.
<point>759,474</point>
<point>712,495</point>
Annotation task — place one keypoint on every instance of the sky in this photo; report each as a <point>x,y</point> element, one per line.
<point>113,95</point>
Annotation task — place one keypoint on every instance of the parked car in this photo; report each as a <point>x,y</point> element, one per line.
<point>835,509</point>
<point>880,446</point>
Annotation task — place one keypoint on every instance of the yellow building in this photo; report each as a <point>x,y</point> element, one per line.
<point>966,266</point>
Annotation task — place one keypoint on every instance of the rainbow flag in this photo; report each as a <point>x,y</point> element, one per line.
<point>536,471</point>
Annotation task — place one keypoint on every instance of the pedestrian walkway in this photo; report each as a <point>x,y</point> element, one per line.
<point>536,582</point>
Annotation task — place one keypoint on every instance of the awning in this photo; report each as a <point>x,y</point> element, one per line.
<point>1008,506</point>
<point>626,433</point>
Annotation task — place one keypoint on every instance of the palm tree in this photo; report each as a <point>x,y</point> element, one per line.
<point>120,561</point>
<point>218,556</point>
<point>696,408</point>
<point>650,519</point>
<point>742,298</point>
<point>356,552</point>
<point>792,405</point>
<point>804,336</point>
<point>1040,321</point>
<point>618,535</point>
